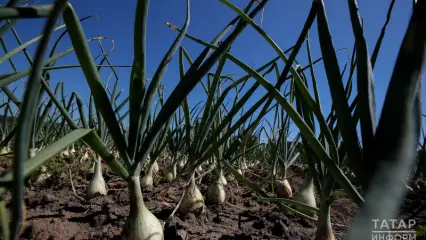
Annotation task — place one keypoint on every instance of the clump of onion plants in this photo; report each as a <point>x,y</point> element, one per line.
<point>134,144</point>
<point>142,134</point>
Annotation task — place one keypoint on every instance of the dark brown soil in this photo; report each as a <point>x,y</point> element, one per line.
<point>54,212</point>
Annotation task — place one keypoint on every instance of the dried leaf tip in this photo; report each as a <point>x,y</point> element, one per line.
<point>171,25</point>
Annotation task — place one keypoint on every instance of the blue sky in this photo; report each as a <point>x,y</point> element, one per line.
<point>282,20</point>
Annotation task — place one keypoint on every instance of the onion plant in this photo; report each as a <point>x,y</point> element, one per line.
<point>176,144</point>
<point>281,152</point>
<point>6,127</point>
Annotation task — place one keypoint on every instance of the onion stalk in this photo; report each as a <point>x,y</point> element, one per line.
<point>193,200</point>
<point>222,178</point>
<point>306,196</point>
<point>283,189</point>
<point>170,172</point>
<point>147,180</point>
<point>216,192</point>
<point>32,152</point>
<point>324,229</point>
<point>64,153</point>
<point>141,223</point>
<point>155,167</point>
<point>72,150</point>
<point>243,164</point>
<point>92,168</point>
<point>181,164</point>
<point>85,156</point>
<point>97,184</point>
